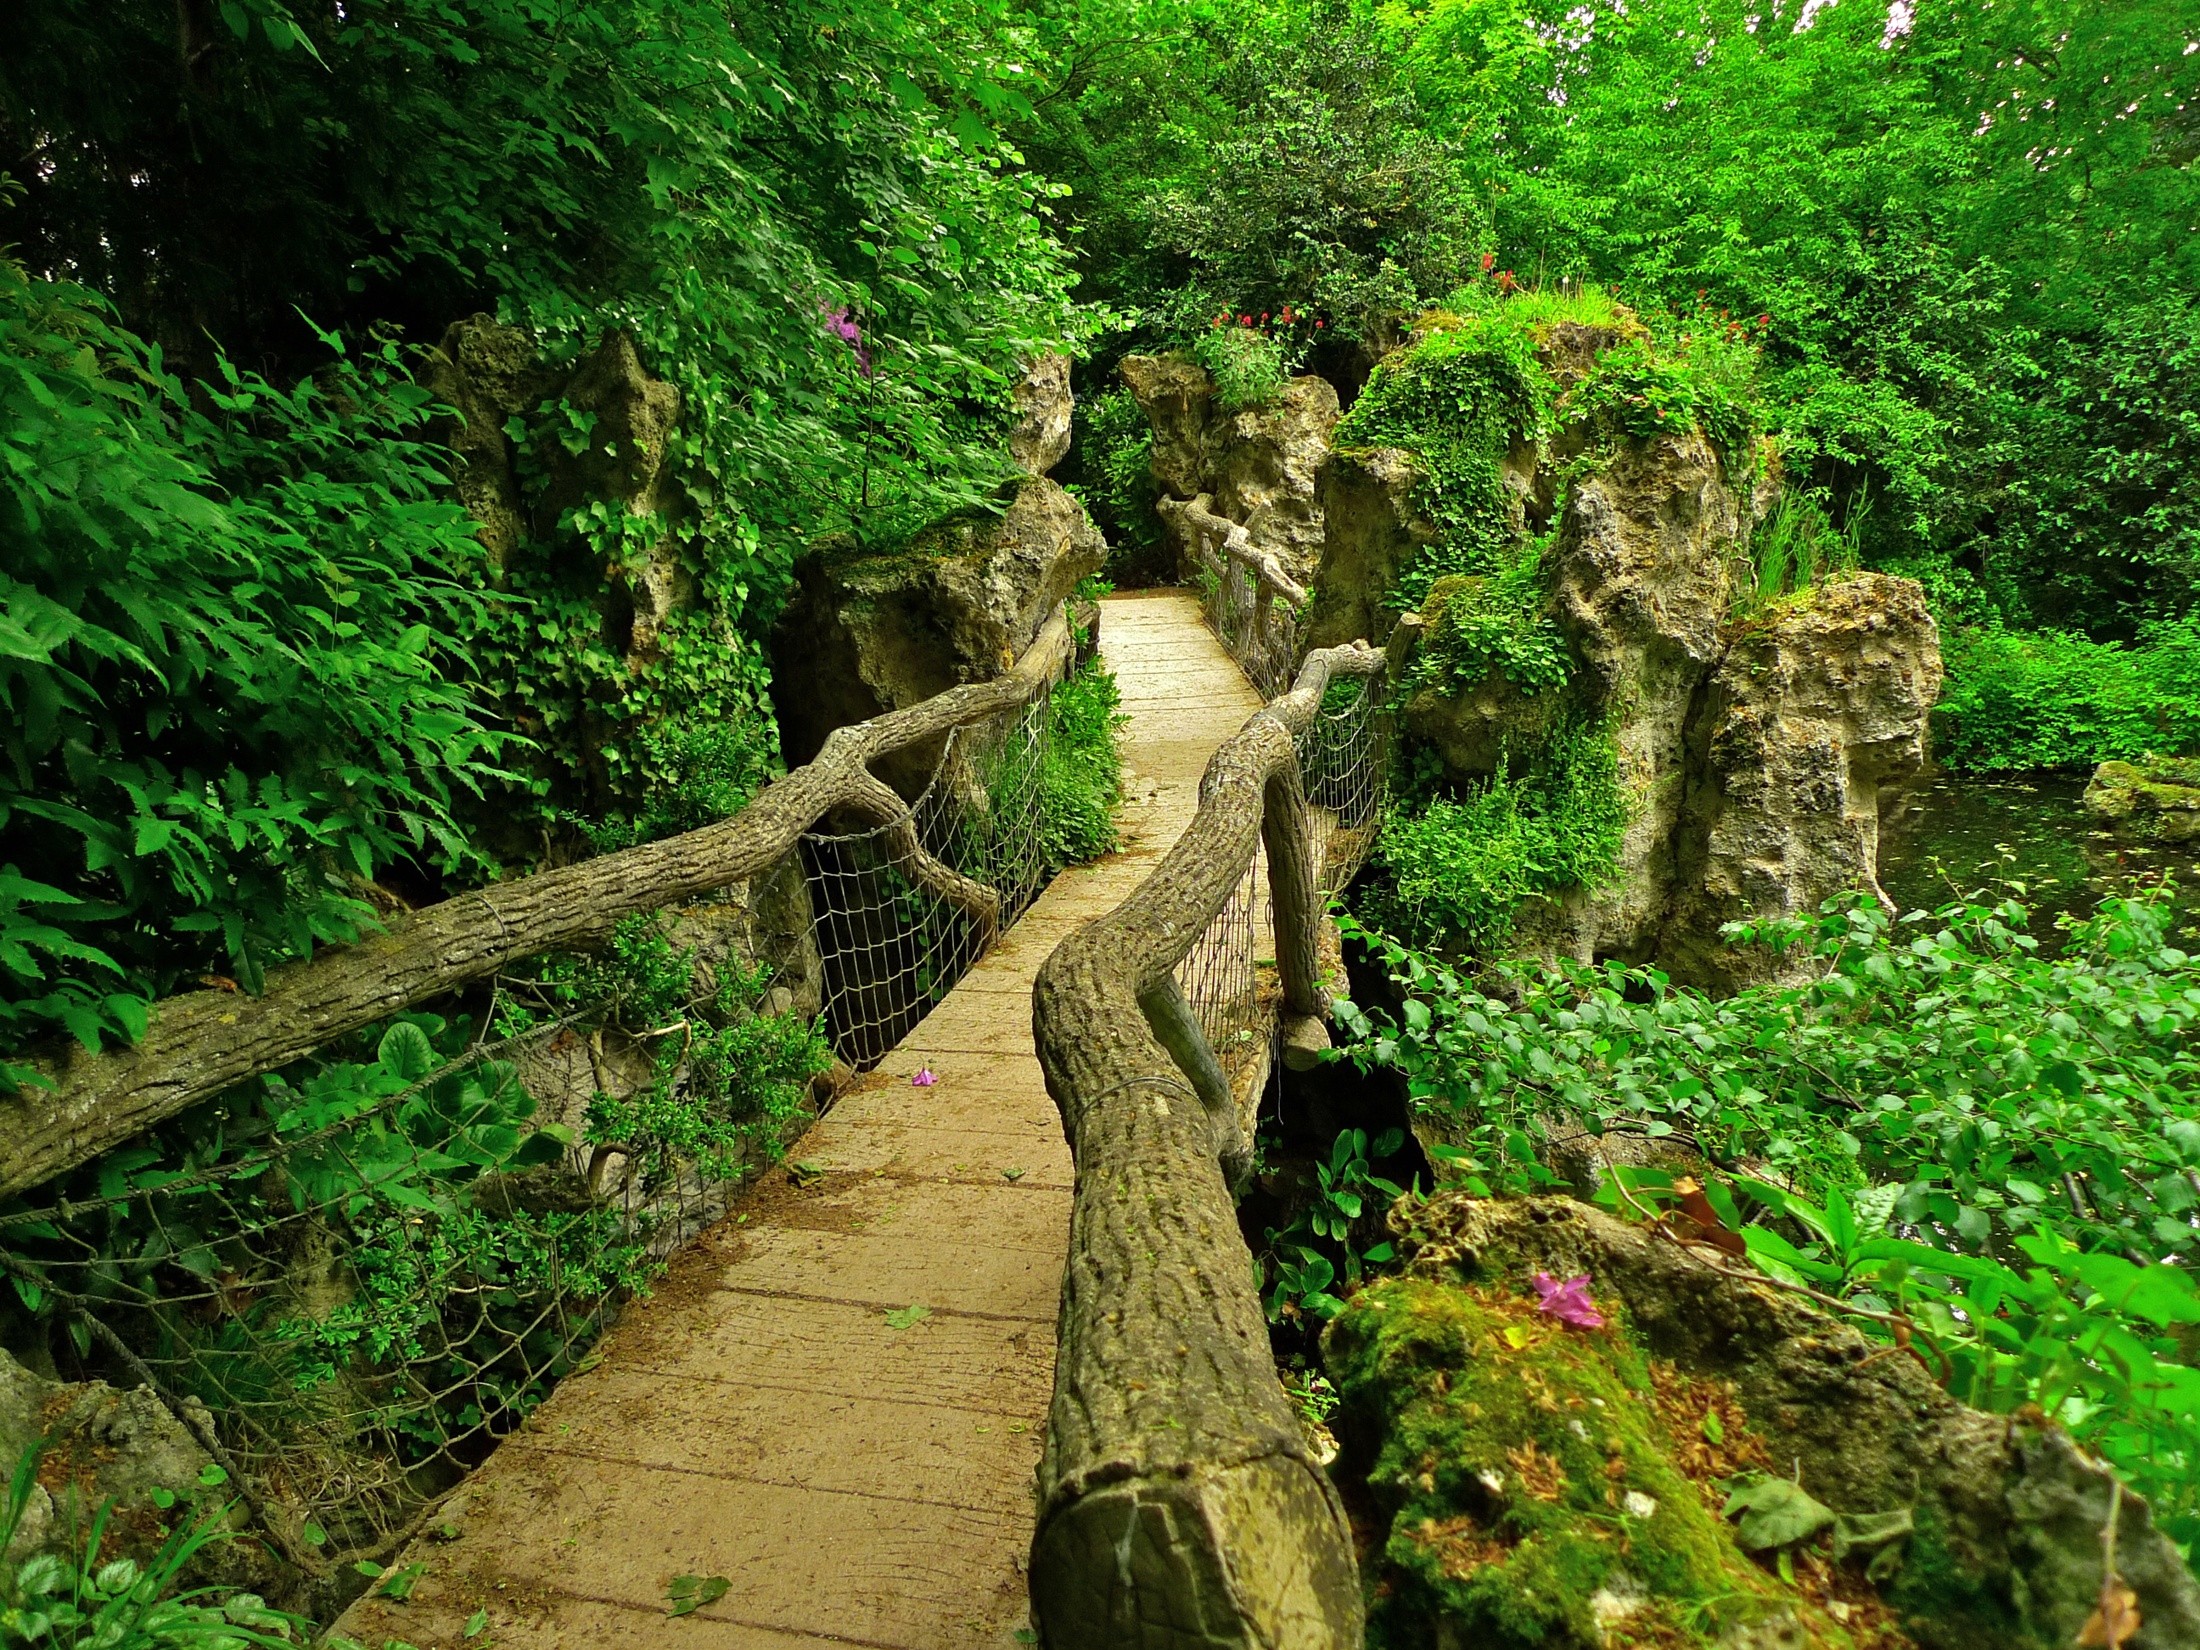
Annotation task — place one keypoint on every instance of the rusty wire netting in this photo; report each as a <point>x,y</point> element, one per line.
<point>1343,762</point>
<point>349,1279</point>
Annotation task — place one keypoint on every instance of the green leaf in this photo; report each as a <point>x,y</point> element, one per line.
<point>477,1623</point>
<point>1773,1512</point>
<point>906,1317</point>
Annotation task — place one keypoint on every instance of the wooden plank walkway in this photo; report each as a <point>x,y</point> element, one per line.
<point>758,1418</point>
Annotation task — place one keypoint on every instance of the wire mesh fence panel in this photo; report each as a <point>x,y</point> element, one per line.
<point>347,1280</point>
<point>348,1285</point>
<point>892,949</point>
<point>1259,631</point>
<point>1343,762</point>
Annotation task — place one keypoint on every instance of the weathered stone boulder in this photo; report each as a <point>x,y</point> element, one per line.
<point>99,1445</point>
<point>1040,437</point>
<point>1505,1453</point>
<point>490,373</point>
<point>1258,465</point>
<point>2156,800</point>
<point>1814,719</point>
<point>1372,532</point>
<point>873,631</point>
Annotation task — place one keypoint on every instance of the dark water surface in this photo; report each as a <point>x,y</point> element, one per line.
<point>1958,833</point>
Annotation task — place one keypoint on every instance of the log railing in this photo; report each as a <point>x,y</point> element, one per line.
<point>1253,604</point>
<point>200,1043</point>
<point>1180,1503</point>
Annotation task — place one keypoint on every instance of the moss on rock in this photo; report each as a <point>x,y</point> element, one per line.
<point>1542,1485</point>
<point>2157,799</point>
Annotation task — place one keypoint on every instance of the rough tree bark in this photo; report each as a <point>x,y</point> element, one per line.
<point>1180,1505</point>
<point>202,1042</point>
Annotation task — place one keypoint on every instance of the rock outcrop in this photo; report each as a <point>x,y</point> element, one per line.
<point>98,1445</point>
<point>1754,752</point>
<point>1503,1451</point>
<point>1040,437</point>
<point>491,374</point>
<point>1258,466</point>
<point>2157,800</point>
<point>873,631</point>
<point>1814,720</point>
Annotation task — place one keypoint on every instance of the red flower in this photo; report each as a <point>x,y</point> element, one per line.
<point>1317,323</point>
<point>1263,317</point>
<point>1488,258</point>
<point>1245,320</point>
<point>1764,320</point>
<point>1505,281</point>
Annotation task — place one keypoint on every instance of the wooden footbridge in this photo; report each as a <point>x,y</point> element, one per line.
<point>986,1365</point>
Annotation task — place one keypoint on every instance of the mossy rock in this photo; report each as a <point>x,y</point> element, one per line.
<point>1549,1486</point>
<point>2157,798</point>
<point>1450,1372</point>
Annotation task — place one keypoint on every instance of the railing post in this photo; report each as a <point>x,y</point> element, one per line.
<point>1294,893</point>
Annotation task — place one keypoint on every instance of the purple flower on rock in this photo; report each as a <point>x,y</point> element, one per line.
<point>1568,1302</point>
<point>924,1080</point>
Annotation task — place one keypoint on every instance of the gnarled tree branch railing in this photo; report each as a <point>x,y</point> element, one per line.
<point>1255,604</point>
<point>1180,1502</point>
<point>202,1042</point>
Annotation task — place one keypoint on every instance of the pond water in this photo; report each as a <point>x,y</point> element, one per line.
<point>1957,833</point>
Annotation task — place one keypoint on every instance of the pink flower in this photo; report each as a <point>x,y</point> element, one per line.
<point>924,1079</point>
<point>1568,1302</point>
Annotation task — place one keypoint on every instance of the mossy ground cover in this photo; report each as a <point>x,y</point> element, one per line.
<point>1542,1485</point>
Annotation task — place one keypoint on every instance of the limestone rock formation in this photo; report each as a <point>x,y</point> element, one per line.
<point>1258,465</point>
<point>1989,1527</point>
<point>490,374</point>
<point>1372,532</point>
<point>1043,402</point>
<point>99,1445</point>
<point>2157,800</point>
<point>1814,719</point>
<point>873,631</point>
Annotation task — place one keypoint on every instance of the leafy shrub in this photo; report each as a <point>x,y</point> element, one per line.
<point>2052,699</point>
<point>1246,364</point>
<point>1457,872</point>
<point>234,663</point>
<point>2027,1128</point>
<point>1081,778</point>
<point>1480,623</point>
<point>1457,401</point>
<point>1115,453</point>
<point>1649,389</point>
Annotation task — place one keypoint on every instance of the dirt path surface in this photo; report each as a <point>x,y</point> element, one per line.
<point>761,1418</point>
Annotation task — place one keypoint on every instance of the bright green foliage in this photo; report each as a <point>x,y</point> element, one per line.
<point>2052,699</point>
<point>1565,1426</point>
<point>1081,775</point>
<point>231,663</point>
<point>1795,548</point>
<point>1479,623</point>
<point>727,1078</point>
<point>1244,156</point>
<point>1648,390</point>
<point>1989,1100</point>
<point>1456,872</point>
<point>1318,1251</point>
<point>1114,454</point>
<point>1247,366</point>
<point>85,1603</point>
<point>1458,402</point>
